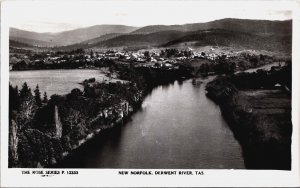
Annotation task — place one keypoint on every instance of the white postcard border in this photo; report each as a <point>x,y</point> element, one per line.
<point>111,178</point>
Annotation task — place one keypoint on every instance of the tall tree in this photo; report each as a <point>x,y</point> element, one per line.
<point>37,96</point>
<point>13,144</point>
<point>92,54</point>
<point>14,101</point>
<point>147,55</point>
<point>25,92</point>
<point>45,98</point>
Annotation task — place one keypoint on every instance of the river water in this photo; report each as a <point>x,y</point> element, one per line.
<point>177,127</point>
<point>60,81</point>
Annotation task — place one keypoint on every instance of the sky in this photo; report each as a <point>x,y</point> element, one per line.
<point>57,16</point>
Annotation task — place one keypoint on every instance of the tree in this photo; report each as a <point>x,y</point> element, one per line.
<point>92,54</point>
<point>204,69</point>
<point>147,55</point>
<point>75,93</point>
<point>45,98</point>
<point>187,53</point>
<point>13,144</point>
<point>37,96</point>
<point>253,60</point>
<point>162,53</point>
<point>25,92</point>
<point>232,67</point>
<point>28,108</point>
<point>14,98</point>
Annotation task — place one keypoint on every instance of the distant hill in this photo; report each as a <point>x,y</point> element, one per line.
<point>213,37</point>
<point>30,42</point>
<point>69,37</point>
<point>135,40</point>
<point>80,35</point>
<point>234,39</point>
<point>19,44</point>
<point>254,34</point>
<point>241,25</point>
<point>31,38</point>
<point>89,43</point>
<point>102,38</point>
<point>116,40</point>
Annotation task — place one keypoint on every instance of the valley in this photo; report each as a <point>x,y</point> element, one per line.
<point>213,95</point>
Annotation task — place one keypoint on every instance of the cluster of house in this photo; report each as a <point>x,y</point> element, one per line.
<point>152,58</point>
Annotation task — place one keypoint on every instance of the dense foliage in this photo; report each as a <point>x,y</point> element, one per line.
<point>62,123</point>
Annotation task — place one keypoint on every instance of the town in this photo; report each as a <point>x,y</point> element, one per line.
<point>212,60</point>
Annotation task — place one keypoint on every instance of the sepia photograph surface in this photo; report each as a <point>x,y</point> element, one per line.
<point>149,85</point>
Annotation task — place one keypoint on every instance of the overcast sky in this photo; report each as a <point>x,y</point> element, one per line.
<point>59,16</point>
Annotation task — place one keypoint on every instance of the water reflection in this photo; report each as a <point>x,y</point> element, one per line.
<point>176,127</point>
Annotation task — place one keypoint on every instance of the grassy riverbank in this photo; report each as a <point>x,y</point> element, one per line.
<point>257,107</point>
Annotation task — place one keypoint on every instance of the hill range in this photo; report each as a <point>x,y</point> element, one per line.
<point>253,34</point>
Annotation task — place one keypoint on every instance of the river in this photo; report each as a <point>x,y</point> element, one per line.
<point>60,81</point>
<point>266,67</point>
<point>177,127</point>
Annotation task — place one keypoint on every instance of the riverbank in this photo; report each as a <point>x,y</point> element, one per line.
<point>65,122</point>
<point>176,127</point>
<point>257,107</point>
<point>95,139</point>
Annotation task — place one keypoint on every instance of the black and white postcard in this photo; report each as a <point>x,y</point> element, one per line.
<point>149,93</point>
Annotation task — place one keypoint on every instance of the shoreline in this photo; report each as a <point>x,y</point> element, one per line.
<point>90,137</point>
<point>264,131</point>
<point>99,132</point>
<point>87,125</point>
<point>119,122</point>
<point>96,134</point>
<point>153,79</point>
